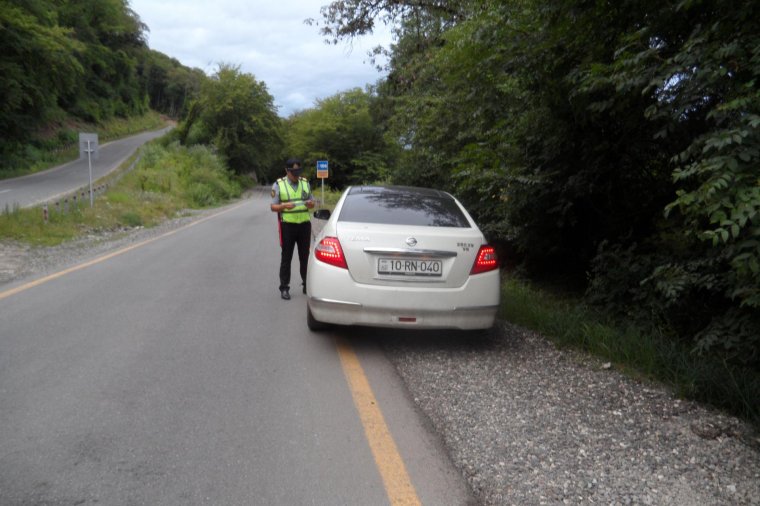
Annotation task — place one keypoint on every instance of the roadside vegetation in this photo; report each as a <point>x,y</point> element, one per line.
<point>167,180</point>
<point>331,196</point>
<point>649,354</point>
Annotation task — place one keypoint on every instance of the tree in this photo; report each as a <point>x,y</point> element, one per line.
<point>74,60</point>
<point>169,85</point>
<point>236,114</point>
<point>37,67</point>
<point>618,139</point>
<point>698,62</point>
<point>113,38</point>
<point>352,18</point>
<point>341,129</point>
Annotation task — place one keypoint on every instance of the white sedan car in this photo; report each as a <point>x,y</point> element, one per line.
<point>401,257</point>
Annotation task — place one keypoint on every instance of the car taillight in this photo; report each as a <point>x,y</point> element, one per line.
<point>485,261</point>
<point>329,251</point>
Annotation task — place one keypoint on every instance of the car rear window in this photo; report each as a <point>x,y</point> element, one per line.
<point>402,206</point>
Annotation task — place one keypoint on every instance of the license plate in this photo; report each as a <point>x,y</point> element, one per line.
<point>409,267</point>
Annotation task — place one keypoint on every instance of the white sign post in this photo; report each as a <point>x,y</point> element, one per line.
<point>88,143</point>
<point>322,172</point>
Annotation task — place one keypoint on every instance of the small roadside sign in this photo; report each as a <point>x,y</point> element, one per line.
<point>322,172</point>
<point>88,144</point>
<point>322,169</point>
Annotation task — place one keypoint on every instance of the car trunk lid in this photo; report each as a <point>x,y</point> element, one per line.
<point>409,255</point>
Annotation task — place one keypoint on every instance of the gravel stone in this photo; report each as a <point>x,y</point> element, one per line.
<point>528,423</point>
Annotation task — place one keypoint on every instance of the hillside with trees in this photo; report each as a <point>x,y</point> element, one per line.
<point>79,61</point>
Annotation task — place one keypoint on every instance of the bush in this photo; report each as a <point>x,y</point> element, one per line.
<point>195,175</point>
<point>680,293</point>
<point>201,195</point>
<point>118,197</point>
<point>132,219</point>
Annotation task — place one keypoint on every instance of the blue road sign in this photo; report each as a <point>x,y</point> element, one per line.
<point>322,169</point>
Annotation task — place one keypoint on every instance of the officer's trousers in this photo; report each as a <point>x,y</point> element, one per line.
<point>294,234</point>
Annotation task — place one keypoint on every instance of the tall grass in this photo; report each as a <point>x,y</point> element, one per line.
<point>194,175</point>
<point>331,196</point>
<point>167,180</point>
<point>650,354</point>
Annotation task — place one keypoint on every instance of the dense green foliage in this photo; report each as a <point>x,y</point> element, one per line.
<point>71,61</point>
<point>340,129</point>
<point>236,114</point>
<point>169,85</point>
<point>612,145</point>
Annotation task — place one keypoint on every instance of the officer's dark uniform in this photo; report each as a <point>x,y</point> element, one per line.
<point>295,226</point>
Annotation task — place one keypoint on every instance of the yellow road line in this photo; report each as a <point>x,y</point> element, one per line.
<point>398,486</point>
<point>78,267</point>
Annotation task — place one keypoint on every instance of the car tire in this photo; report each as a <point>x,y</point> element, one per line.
<point>313,324</point>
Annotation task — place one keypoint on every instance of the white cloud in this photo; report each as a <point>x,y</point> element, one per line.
<point>267,39</point>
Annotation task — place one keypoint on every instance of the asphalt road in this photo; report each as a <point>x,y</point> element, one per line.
<point>46,186</point>
<point>173,374</point>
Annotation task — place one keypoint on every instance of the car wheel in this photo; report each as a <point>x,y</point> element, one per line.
<point>313,324</point>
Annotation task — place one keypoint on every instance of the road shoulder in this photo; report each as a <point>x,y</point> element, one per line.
<point>528,423</point>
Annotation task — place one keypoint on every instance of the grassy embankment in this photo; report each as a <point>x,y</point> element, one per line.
<point>61,144</point>
<point>165,181</point>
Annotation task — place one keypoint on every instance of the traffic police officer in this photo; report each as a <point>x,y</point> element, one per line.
<point>291,200</point>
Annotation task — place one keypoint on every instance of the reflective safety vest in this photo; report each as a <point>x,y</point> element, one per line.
<point>300,213</point>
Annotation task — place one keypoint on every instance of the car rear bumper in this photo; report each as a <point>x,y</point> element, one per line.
<point>342,313</point>
<point>472,306</point>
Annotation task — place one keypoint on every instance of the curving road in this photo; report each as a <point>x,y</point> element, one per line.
<point>173,374</point>
<point>27,191</point>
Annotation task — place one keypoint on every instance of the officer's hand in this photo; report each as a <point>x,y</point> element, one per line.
<point>289,205</point>
<point>310,204</point>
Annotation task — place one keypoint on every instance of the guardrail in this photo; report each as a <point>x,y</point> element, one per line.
<point>68,201</point>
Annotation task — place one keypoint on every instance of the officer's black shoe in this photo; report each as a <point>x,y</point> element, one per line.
<point>285,294</point>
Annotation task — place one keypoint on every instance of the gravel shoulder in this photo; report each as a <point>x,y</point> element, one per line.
<point>524,421</point>
<point>20,260</point>
<point>528,423</point>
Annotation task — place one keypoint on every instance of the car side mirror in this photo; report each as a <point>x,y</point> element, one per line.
<point>322,214</point>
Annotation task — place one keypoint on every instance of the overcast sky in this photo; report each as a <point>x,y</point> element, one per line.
<point>267,39</point>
